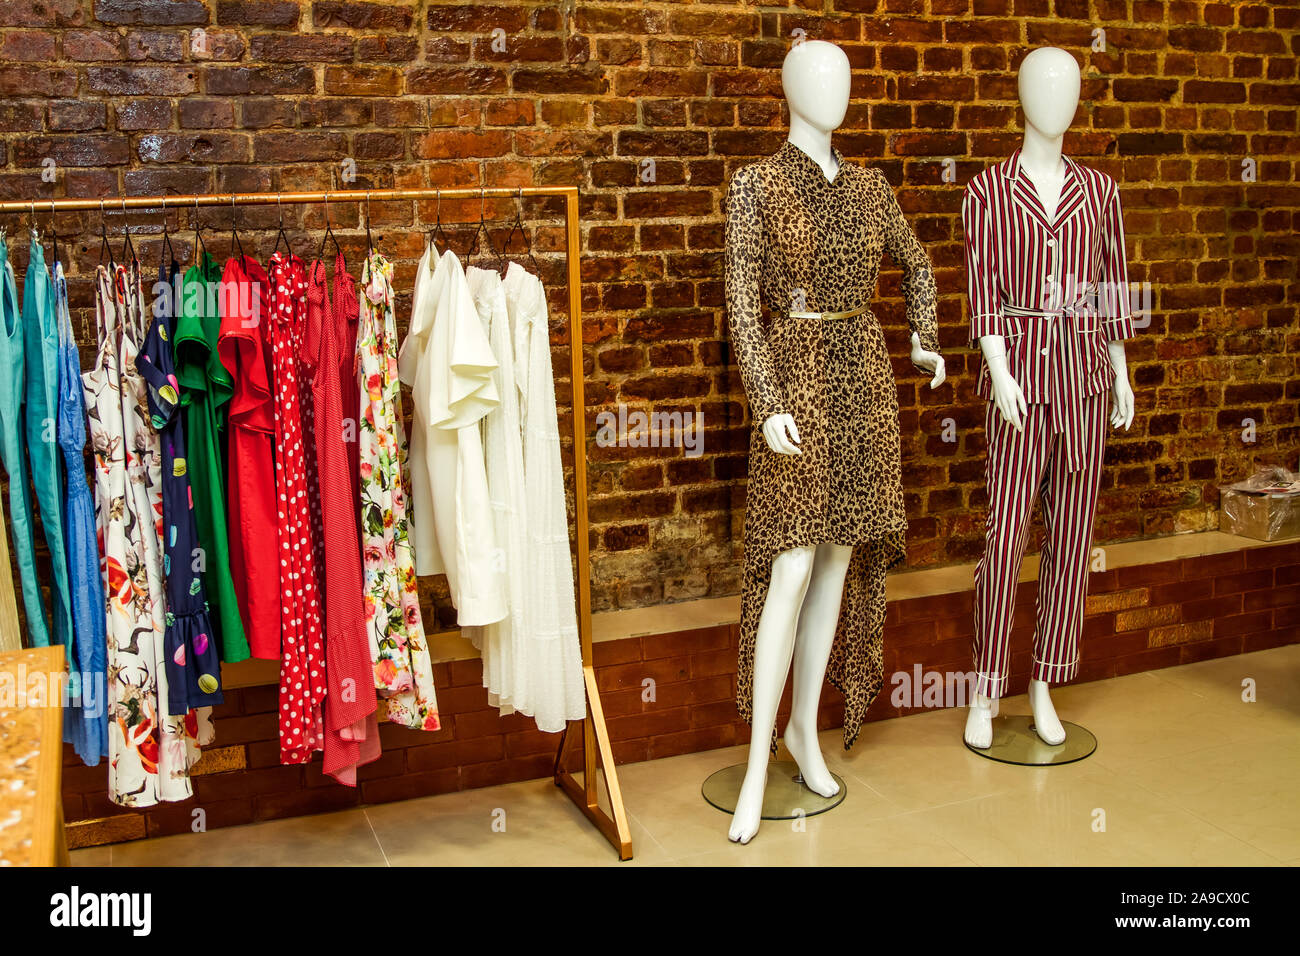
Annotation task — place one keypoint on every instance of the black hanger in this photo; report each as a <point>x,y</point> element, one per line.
<point>281,234</point>
<point>518,226</point>
<point>437,227</point>
<point>329,235</point>
<point>200,250</point>
<point>54,238</point>
<point>128,248</point>
<point>234,233</point>
<point>166,253</point>
<point>370,243</point>
<point>33,233</point>
<point>104,246</point>
<point>482,229</point>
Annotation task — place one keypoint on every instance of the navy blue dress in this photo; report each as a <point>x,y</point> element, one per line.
<point>191,659</point>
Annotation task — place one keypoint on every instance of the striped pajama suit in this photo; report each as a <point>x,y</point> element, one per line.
<point>1056,289</point>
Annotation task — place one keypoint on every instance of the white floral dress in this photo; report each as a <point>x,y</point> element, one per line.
<point>398,646</point>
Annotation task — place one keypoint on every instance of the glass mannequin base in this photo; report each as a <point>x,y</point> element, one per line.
<point>1014,741</point>
<point>785,798</point>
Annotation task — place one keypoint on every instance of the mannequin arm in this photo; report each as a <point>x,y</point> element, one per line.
<point>742,281</point>
<point>919,293</point>
<point>1121,392</point>
<point>1008,398</point>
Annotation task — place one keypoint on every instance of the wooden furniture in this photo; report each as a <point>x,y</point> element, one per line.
<point>31,757</point>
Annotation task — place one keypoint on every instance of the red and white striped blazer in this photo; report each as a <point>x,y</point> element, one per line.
<point>1056,289</point>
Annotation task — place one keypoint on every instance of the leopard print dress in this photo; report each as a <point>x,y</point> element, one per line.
<point>796,241</point>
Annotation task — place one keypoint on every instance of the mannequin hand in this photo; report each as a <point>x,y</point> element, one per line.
<point>930,361</point>
<point>1008,397</point>
<point>1121,392</point>
<point>782,435</point>
<point>1121,403</point>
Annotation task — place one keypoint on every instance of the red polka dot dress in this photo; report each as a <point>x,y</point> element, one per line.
<point>302,664</point>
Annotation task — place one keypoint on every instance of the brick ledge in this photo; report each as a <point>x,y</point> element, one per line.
<point>667,619</point>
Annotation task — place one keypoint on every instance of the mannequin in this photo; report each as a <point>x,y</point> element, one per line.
<point>802,608</point>
<point>1049,95</point>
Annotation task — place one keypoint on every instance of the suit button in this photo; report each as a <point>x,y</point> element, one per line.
<point>1042,351</point>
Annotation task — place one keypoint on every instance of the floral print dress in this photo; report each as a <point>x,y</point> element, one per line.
<point>398,647</point>
<point>150,750</point>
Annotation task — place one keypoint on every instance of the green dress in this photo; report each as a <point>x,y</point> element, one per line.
<point>206,387</point>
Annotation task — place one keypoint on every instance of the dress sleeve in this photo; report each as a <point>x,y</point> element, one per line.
<point>919,294</point>
<point>744,256</point>
<point>1116,312</point>
<point>982,271</point>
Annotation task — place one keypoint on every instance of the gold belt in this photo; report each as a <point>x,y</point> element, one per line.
<point>851,313</point>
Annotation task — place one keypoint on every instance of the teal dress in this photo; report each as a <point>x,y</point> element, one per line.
<point>41,352</point>
<point>13,449</point>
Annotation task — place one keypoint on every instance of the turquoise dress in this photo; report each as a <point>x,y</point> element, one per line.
<point>41,352</point>
<point>86,718</point>
<point>13,449</point>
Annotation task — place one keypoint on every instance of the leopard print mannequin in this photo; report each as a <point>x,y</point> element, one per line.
<point>796,241</point>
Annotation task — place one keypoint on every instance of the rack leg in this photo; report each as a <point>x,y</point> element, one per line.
<point>596,747</point>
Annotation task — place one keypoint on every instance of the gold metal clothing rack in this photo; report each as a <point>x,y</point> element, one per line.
<point>596,749</point>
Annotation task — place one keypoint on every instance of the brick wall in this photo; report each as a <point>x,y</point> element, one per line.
<point>124,96</point>
<point>1138,618</point>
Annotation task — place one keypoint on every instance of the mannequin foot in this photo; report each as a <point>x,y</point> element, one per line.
<point>1046,724</point>
<point>749,808</point>
<point>979,723</point>
<point>812,765</point>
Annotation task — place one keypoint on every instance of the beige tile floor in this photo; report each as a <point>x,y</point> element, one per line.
<point>1187,773</point>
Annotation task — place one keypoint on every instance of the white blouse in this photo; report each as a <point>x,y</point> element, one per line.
<point>449,365</point>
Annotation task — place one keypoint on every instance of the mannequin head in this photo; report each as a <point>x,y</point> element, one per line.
<point>1049,90</point>
<point>815,77</point>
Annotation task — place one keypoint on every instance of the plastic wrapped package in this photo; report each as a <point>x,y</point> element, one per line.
<point>1265,506</point>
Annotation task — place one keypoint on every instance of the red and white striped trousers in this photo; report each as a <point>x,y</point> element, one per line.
<point>1020,467</point>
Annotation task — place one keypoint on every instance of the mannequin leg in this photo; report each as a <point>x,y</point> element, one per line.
<point>1069,505</point>
<point>1013,473</point>
<point>818,620</point>
<point>773,650</point>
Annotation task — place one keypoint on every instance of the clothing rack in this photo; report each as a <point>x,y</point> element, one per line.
<point>597,753</point>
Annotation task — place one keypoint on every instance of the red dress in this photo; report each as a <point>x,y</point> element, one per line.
<point>244,348</point>
<point>351,725</point>
<point>302,664</point>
